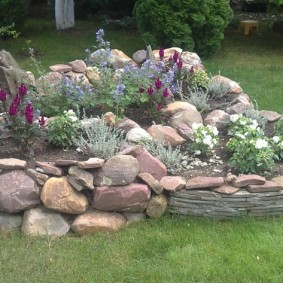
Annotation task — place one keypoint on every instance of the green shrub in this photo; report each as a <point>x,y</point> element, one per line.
<point>12,11</point>
<point>188,24</point>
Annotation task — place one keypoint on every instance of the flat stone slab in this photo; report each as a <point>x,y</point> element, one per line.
<point>66,162</point>
<point>151,182</point>
<point>60,68</point>
<point>251,179</point>
<point>12,164</point>
<point>226,189</point>
<point>49,168</point>
<point>270,116</point>
<point>91,163</point>
<point>173,183</point>
<point>269,186</point>
<point>202,182</point>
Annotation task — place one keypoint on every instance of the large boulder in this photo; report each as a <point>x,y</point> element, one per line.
<point>57,194</point>
<point>130,198</point>
<point>10,221</point>
<point>41,221</point>
<point>18,192</point>
<point>93,222</point>
<point>117,170</point>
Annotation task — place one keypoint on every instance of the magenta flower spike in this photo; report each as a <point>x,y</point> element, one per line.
<point>158,107</point>
<point>41,121</point>
<point>165,92</point>
<point>158,83</point>
<point>17,99</point>
<point>161,53</point>
<point>179,64</point>
<point>22,90</point>
<point>141,89</point>
<point>13,109</point>
<point>150,90</point>
<point>3,95</point>
<point>175,56</point>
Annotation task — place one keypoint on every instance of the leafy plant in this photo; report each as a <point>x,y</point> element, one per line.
<point>251,150</point>
<point>99,140</point>
<point>217,90</point>
<point>198,98</point>
<point>171,157</point>
<point>197,79</point>
<point>9,30</point>
<point>64,129</point>
<point>254,114</point>
<point>204,139</point>
<point>20,117</point>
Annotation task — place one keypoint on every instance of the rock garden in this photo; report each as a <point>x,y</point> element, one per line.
<point>97,144</point>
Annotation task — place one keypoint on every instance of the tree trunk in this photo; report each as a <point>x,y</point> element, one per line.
<point>64,14</point>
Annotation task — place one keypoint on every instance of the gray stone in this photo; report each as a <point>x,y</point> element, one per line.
<point>137,135</point>
<point>41,221</point>
<point>270,116</point>
<point>93,222</point>
<point>185,117</point>
<point>79,187</point>
<point>18,192</point>
<point>10,221</point>
<point>81,176</point>
<point>49,168</point>
<point>130,198</point>
<point>66,162</point>
<point>157,206</point>
<point>134,217</point>
<point>38,177</point>
<point>218,118</point>
<point>151,182</point>
<point>139,56</point>
<point>7,60</point>
<point>117,170</point>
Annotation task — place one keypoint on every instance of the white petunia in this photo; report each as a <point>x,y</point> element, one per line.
<point>207,140</point>
<point>195,126</point>
<point>234,118</point>
<point>215,131</point>
<point>276,139</point>
<point>260,143</point>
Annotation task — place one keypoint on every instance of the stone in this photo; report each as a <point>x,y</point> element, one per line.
<point>168,52</point>
<point>147,162</point>
<point>134,217</point>
<point>217,118</point>
<point>126,125</point>
<point>119,59</point>
<point>268,186</point>
<point>9,78</point>
<point>12,164</point>
<point>93,222</point>
<point>151,182</point>
<point>137,135</point>
<point>7,60</point>
<point>41,221</point>
<point>238,108</point>
<point>173,183</point>
<point>139,56</point>
<point>270,116</point>
<point>157,206</point>
<point>177,106</point>
<point>234,88</point>
<point>81,176</point>
<point>131,198</point>
<point>109,119</point>
<point>10,221</point>
<point>251,179</point>
<point>91,163</point>
<point>226,189</point>
<point>49,168</point>
<point>117,170</point>
<point>18,192</point>
<point>93,75</point>
<point>278,180</point>
<point>203,182</point>
<point>190,59</point>
<point>185,131</point>
<point>74,183</point>
<point>78,77</point>
<point>51,78</point>
<point>38,177</point>
<point>78,66</point>
<point>187,117</point>
<point>65,162</point>
<point>166,135</point>
<point>60,68</point>
<point>57,194</point>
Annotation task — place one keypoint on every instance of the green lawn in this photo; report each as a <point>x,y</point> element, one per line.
<point>171,249</point>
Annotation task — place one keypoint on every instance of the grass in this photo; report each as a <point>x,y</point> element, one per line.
<point>171,249</point>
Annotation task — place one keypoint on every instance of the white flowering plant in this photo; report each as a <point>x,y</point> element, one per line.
<point>251,150</point>
<point>277,145</point>
<point>64,129</point>
<point>204,139</point>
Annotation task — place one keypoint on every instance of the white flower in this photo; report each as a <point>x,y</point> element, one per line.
<point>207,140</point>
<point>197,152</point>
<point>243,122</point>
<point>276,139</point>
<point>253,127</point>
<point>73,118</point>
<point>197,140</point>
<point>234,118</point>
<point>195,126</point>
<point>260,143</point>
<point>215,131</point>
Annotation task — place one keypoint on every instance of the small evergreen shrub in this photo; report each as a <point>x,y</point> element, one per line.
<point>217,90</point>
<point>188,24</point>
<point>199,99</point>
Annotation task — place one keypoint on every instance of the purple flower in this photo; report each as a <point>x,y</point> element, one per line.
<point>179,64</point>
<point>41,121</point>
<point>3,95</point>
<point>17,99</point>
<point>158,107</point>
<point>165,92</point>
<point>29,113</point>
<point>161,53</point>
<point>150,90</point>
<point>22,90</point>
<point>175,56</point>
<point>120,89</point>
<point>13,109</point>
<point>158,83</point>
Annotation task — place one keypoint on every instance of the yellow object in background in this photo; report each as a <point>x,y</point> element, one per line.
<point>248,25</point>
